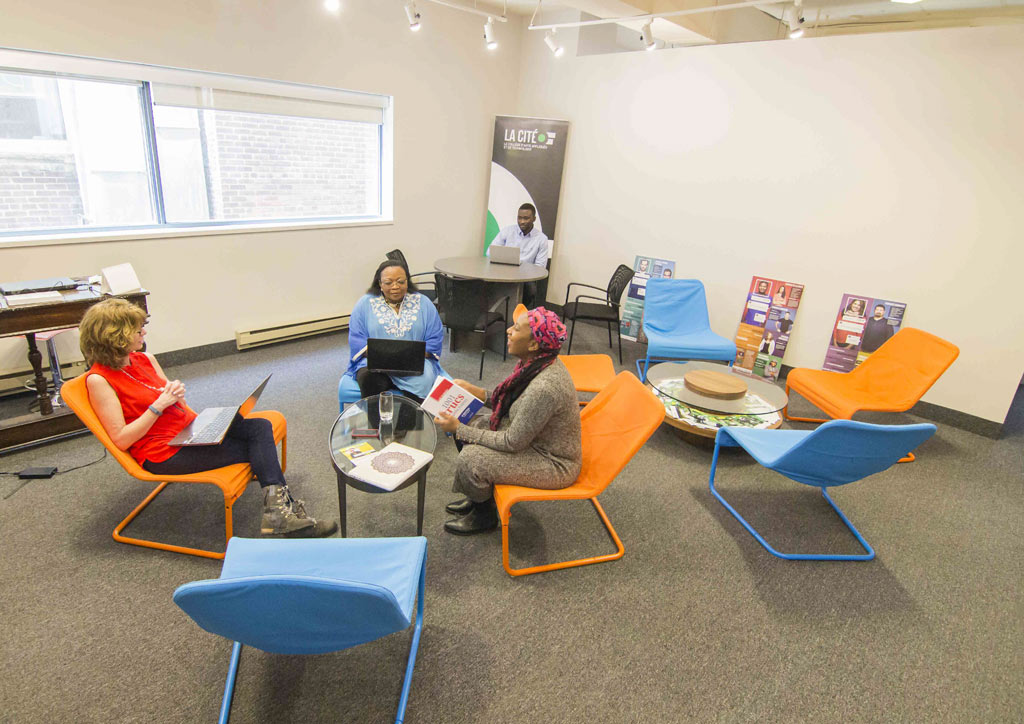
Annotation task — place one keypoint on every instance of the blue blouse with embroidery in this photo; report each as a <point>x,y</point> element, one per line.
<point>417,319</point>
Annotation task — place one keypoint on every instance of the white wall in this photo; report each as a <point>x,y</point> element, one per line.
<point>447,88</point>
<point>888,165</point>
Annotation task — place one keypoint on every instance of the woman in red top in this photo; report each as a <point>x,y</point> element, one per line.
<point>142,412</point>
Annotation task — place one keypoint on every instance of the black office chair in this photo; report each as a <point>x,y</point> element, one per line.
<point>604,309</point>
<point>464,308</point>
<point>424,281</point>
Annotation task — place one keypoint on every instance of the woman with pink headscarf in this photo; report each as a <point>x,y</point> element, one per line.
<point>532,435</point>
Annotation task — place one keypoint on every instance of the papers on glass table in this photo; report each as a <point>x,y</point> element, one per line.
<point>713,421</point>
<point>391,466</point>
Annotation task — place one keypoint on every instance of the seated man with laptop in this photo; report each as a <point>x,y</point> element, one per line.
<point>394,336</point>
<point>146,415</point>
<point>531,243</point>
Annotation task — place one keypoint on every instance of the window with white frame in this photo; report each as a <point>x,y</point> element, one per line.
<point>149,147</point>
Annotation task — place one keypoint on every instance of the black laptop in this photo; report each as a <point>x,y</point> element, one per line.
<point>399,357</point>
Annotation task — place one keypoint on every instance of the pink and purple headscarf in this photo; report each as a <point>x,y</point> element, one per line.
<point>547,329</point>
<point>549,332</point>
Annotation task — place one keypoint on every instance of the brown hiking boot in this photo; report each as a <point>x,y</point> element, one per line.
<point>286,517</point>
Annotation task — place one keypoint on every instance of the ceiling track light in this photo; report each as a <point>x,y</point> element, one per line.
<point>492,44</point>
<point>796,21</point>
<point>647,36</point>
<point>332,6</point>
<point>549,40</point>
<point>413,14</point>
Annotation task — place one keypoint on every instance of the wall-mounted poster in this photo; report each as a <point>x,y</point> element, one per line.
<point>862,326</point>
<point>766,326</point>
<point>644,268</point>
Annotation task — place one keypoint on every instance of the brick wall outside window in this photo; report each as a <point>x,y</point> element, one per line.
<point>39,191</point>
<point>282,167</point>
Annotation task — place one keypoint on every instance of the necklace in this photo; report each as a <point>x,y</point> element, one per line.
<point>136,379</point>
<point>155,389</point>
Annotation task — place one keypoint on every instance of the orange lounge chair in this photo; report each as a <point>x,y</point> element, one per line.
<point>231,479</point>
<point>892,379</point>
<point>616,424</point>
<point>589,372</point>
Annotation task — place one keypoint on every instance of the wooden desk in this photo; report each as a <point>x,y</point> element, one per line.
<point>48,424</point>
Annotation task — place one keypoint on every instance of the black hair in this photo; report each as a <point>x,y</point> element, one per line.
<point>375,284</point>
<point>529,207</point>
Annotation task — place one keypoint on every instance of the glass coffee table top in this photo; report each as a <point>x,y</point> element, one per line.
<point>761,398</point>
<point>410,426</point>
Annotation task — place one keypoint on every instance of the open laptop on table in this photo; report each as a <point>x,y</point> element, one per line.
<point>505,254</point>
<point>211,425</point>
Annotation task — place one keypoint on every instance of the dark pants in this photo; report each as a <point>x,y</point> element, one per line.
<point>249,440</point>
<point>373,383</point>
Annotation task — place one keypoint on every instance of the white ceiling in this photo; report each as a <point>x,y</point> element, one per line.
<point>822,17</point>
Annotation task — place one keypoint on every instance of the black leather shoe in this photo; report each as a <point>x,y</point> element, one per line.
<point>460,507</point>
<point>482,518</point>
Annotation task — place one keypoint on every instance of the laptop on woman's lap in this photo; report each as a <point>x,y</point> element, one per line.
<point>211,425</point>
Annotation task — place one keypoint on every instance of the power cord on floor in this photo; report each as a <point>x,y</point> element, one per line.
<point>45,473</point>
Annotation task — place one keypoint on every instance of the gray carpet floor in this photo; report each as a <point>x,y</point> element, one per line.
<point>696,623</point>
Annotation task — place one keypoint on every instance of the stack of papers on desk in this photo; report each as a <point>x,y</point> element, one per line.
<point>21,300</point>
<point>395,464</point>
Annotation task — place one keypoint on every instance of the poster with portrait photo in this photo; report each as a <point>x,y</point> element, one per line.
<point>862,325</point>
<point>644,268</point>
<point>768,366</point>
<point>766,325</point>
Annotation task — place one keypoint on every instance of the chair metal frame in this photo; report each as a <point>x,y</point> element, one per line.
<point>873,448</point>
<point>403,699</point>
<point>585,487</point>
<point>791,556</point>
<point>822,401</point>
<point>231,480</point>
<point>613,305</point>
<point>185,597</point>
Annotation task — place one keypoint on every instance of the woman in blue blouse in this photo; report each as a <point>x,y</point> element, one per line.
<point>392,308</point>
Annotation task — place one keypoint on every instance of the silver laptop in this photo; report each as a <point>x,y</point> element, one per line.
<point>504,254</point>
<point>211,425</point>
<point>38,285</point>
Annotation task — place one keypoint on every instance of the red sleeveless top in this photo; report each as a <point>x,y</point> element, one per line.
<point>130,385</point>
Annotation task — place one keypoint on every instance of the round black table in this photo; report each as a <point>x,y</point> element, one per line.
<point>410,426</point>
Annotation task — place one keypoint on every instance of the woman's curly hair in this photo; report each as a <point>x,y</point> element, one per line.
<point>107,330</point>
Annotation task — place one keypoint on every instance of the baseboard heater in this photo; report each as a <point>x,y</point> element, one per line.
<point>249,338</point>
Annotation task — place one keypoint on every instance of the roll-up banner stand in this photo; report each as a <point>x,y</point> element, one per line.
<point>526,167</point>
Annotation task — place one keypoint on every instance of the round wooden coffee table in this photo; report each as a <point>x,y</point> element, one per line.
<point>702,397</point>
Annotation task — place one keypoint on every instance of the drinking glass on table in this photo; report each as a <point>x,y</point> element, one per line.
<point>386,409</point>
<point>386,406</point>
